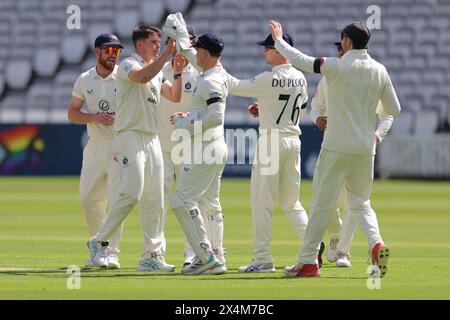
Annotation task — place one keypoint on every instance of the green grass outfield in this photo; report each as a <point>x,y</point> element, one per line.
<point>42,231</point>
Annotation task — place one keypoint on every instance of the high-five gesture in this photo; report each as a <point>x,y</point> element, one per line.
<point>276,29</point>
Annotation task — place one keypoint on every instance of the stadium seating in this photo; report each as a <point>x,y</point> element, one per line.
<point>12,108</point>
<point>403,123</point>
<point>73,48</point>
<point>2,84</point>
<point>18,73</point>
<point>37,50</point>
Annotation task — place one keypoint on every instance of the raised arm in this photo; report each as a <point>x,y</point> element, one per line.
<point>144,75</point>
<point>173,91</point>
<point>329,67</point>
<point>191,55</point>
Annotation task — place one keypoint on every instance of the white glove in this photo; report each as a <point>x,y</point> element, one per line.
<point>169,29</point>
<point>175,28</point>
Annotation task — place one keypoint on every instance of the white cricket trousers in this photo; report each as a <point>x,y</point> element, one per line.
<point>139,160</point>
<point>198,189</point>
<point>282,185</point>
<point>98,176</point>
<point>348,229</point>
<point>171,176</point>
<point>344,229</point>
<point>334,170</point>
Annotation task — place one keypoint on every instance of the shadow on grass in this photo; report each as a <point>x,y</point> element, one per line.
<point>231,275</point>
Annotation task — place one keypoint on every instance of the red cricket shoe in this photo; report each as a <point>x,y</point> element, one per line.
<point>380,256</point>
<point>302,270</point>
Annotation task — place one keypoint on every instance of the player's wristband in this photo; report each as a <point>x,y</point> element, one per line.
<point>176,76</point>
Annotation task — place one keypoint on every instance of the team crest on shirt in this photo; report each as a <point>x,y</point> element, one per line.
<point>125,162</point>
<point>103,105</point>
<point>188,86</point>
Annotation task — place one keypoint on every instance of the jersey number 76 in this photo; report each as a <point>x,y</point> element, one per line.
<point>295,109</point>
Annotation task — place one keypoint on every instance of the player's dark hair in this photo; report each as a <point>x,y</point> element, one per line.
<point>358,46</point>
<point>144,32</point>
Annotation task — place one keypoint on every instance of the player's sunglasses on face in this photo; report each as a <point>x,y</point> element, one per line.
<point>110,50</point>
<point>269,47</point>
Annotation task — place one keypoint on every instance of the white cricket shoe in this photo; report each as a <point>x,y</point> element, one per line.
<point>189,255</point>
<point>253,266</point>
<point>197,267</point>
<point>98,252</point>
<point>331,252</point>
<point>221,267</point>
<point>113,261</point>
<point>343,260</point>
<point>155,264</point>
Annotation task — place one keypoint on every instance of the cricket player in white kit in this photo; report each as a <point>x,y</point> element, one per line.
<point>136,147</point>
<point>198,186</point>
<point>97,88</point>
<point>282,96</point>
<point>356,83</point>
<point>341,231</point>
<point>171,169</point>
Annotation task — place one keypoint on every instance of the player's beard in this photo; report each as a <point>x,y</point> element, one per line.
<point>105,63</point>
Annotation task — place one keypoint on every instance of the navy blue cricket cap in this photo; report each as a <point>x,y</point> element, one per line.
<point>210,42</point>
<point>107,39</point>
<point>268,41</point>
<point>358,32</point>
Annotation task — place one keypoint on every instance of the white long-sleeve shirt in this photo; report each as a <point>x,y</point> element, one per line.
<point>356,84</point>
<point>208,103</point>
<point>281,94</point>
<point>319,105</point>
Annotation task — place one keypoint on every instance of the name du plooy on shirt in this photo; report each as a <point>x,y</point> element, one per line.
<point>288,83</point>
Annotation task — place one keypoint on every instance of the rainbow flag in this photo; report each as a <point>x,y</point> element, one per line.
<point>21,149</point>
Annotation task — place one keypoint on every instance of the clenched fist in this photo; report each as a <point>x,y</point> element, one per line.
<point>253,110</point>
